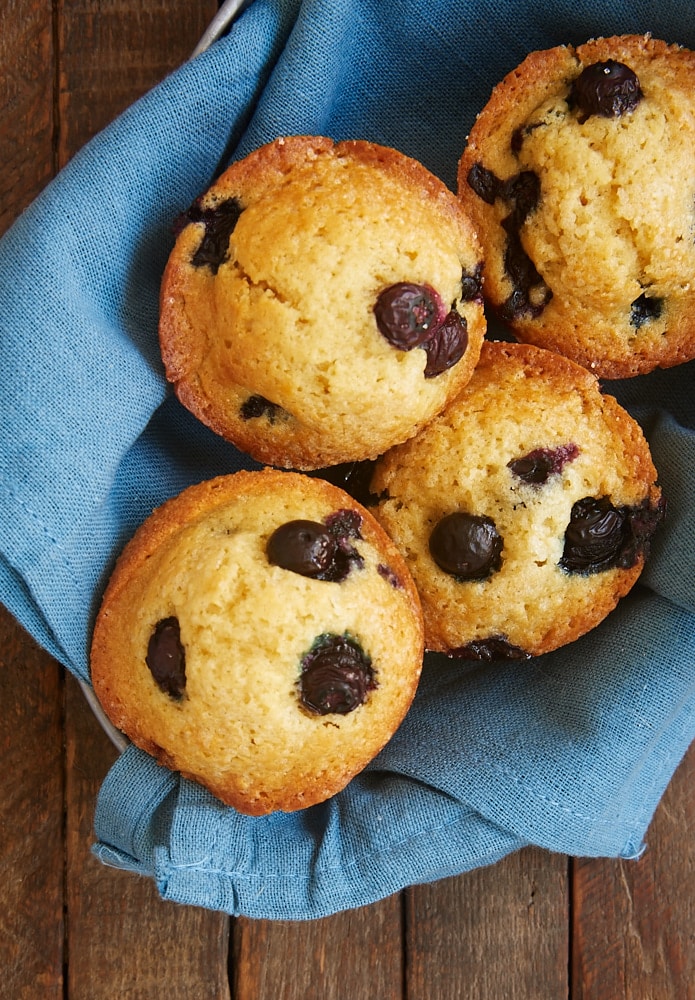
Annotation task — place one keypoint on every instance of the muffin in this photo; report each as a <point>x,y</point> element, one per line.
<point>524,511</point>
<point>322,302</point>
<point>261,635</point>
<point>579,175</point>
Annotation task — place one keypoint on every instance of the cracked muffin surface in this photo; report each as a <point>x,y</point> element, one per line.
<point>580,177</point>
<point>322,302</point>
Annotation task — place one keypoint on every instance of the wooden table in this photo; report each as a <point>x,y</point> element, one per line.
<point>534,927</point>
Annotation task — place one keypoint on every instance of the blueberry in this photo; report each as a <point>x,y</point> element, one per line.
<point>645,309</point>
<point>530,294</point>
<point>609,89</point>
<point>525,278</point>
<point>522,192</point>
<point>494,647</point>
<point>594,537</point>
<point>406,313</point>
<point>219,221</point>
<point>539,464</point>
<point>258,406</point>
<point>466,546</point>
<point>353,477</point>
<point>166,657</point>
<point>344,525</point>
<point>336,675</point>
<point>447,345</point>
<point>472,285</point>
<point>321,551</point>
<point>484,182</point>
<point>302,546</point>
<point>601,536</point>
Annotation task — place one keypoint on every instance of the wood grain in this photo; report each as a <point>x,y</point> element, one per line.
<point>111,52</point>
<point>634,921</point>
<point>357,954</point>
<point>491,933</point>
<point>123,941</point>
<point>26,104</point>
<point>31,724</point>
<point>31,818</point>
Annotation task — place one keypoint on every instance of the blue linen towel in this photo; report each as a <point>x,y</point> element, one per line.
<point>570,751</point>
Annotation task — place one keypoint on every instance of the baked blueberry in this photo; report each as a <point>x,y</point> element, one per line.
<point>255,407</point>
<point>609,89</point>
<point>220,221</point>
<point>302,546</point>
<point>166,657</point>
<point>336,676</point>
<point>494,647</point>
<point>594,537</point>
<point>645,309</point>
<point>535,467</point>
<point>406,314</point>
<point>466,546</point>
<point>447,345</point>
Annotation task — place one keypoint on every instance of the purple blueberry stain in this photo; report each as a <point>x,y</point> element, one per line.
<point>336,675</point>
<point>538,465</point>
<point>390,576</point>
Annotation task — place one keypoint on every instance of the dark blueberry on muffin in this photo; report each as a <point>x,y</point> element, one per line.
<point>609,89</point>
<point>336,676</point>
<point>166,657</point>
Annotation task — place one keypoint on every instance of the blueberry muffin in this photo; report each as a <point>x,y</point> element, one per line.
<point>261,635</point>
<point>322,302</point>
<point>580,177</point>
<point>524,511</point>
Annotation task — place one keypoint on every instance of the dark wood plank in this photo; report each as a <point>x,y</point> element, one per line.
<point>26,105</point>
<point>112,51</point>
<point>31,818</point>
<point>31,733</point>
<point>124,941</point>
<point>494,932</point>
<point>634,921</point>
<point>357,954</point>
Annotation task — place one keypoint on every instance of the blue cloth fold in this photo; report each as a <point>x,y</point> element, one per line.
<point>571,751</point>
